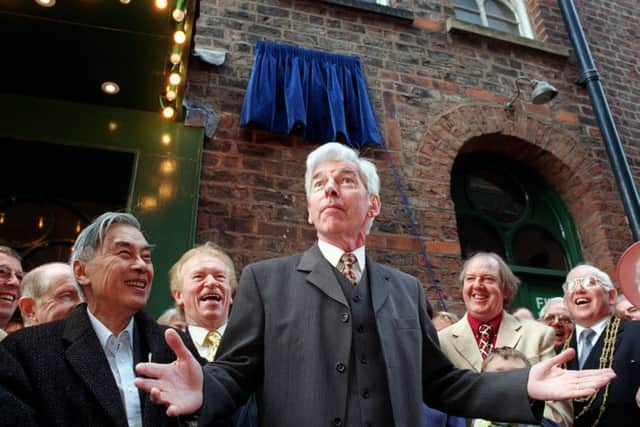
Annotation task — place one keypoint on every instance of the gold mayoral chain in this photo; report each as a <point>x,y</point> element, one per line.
<point>606,361</point>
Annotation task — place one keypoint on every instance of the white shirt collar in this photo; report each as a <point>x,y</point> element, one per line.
<point>333,253</point>
<point>103,332</point>
<point>598,328</point>
<point>198,333</point>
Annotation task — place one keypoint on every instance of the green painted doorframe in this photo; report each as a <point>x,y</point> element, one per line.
<point>166,176</point>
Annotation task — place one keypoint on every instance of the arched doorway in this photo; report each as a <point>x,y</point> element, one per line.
<point>505,207</point>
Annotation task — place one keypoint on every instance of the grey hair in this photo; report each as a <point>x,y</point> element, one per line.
<point>165,318</point>
<point>10,252</point>
<point>549,303</point>
<point>510,282</point>
<point>334,151</point>
<point>92,237</point>
<point>35,282</point>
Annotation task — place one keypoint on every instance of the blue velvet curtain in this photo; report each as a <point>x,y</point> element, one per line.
<point>317,94</point>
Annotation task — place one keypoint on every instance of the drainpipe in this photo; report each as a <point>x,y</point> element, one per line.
<point>590,78</point>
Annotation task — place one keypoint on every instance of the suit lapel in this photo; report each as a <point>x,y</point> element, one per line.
<point>573,363</point>
<point>509,332</point>
<point>150,341</point>
<point>321,274</point>
<point>86,357</point>
<point>464,342</point>
<point>380,283</point>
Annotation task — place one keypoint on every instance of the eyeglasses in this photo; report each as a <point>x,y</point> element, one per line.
<point>560,318</point>
<point>587,282</point>
<point>6,272</point>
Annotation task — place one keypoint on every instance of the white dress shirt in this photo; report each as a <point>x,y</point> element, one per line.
<point>199,335</point>
<point>333,254</point>
<point>598,328</point>
<point>119,352</point>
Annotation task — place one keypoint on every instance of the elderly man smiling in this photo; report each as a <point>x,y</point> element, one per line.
<point>49,292</point>
<point>602,340</point>
<point>488,285</point>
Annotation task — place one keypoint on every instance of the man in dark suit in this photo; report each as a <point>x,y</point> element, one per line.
<point>331,338</point>
<point>602,340</point>
<point>80,370</point>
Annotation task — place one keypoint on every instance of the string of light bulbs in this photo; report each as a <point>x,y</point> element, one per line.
<point>175,78</point>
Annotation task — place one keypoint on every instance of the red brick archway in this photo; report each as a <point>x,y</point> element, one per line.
<point>554,150</point>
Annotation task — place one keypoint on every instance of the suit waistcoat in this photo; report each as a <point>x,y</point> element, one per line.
<point>368,402</point>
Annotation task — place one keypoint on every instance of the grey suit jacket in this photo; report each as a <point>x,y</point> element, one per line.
<point>289,335</point>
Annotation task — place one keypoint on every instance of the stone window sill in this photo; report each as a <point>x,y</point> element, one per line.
<point>460,27</point>
<point>375,8</point>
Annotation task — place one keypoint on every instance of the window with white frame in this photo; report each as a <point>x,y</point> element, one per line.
<point>503,15</point>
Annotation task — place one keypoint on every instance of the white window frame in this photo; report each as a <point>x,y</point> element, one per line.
<point>519,10</point>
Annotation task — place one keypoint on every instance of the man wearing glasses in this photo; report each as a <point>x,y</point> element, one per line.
<point>602,340</point>
<point>556,315</point>
<point>10,277</point>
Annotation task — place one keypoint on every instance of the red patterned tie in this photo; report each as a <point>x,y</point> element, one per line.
<point>347,266</point>
<point>485,330</point>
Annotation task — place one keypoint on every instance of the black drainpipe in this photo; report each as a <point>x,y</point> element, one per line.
<point>590,78</point>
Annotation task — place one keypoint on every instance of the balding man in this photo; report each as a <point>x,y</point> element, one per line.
<point>602,340</point>
<point>49,292</point>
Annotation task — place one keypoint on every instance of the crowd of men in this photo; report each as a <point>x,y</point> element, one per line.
<point>328,337</point>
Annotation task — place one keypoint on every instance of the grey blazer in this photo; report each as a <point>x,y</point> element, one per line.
<point>289,335</point>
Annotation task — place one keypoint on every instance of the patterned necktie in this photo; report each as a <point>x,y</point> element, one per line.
<point>485,330</point>
<point>347,266</point>
<point>586,336</point>
<point>211,341</point>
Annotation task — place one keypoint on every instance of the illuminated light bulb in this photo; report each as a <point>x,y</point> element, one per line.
<point>171,94</point>
<point>168,167</point>
<point>46,3</point>
<point>112,126</point>
<point>165,190</point>
<point>178,15</point>
<point>110,88</point>
<point>41,222</point>
<point>175,79</point>
<point>175,58</point>
<point>125,1</point>
<point>78,227</point>
<point>161,4</point>
<point>1,217</point>
<point>179,37</point>
<point>148,202</point>
<point>168,112</point>
<point>166,138</point>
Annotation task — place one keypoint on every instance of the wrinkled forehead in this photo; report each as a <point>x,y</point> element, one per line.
<point>557,308</point>
<point>582,271</point>
<point>10,262</point>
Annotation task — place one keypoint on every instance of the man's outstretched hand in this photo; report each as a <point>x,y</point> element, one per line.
<point>547,381</point>
<point>178,384</point>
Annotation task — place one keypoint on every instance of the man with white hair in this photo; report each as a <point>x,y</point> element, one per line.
<point>329,337</point>
<point>555,314</point>
<point>603,341</point>
<point>49,292</point>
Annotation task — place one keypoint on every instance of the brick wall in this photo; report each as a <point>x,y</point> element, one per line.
<point>434,93</point>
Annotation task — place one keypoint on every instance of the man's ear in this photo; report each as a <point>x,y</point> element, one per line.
<point>374,206</point>
<point>79,271</point>
<point>177,297</point>
<point>27,306</point>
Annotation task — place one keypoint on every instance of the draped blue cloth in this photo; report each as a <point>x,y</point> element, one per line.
<point>315,94</point>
